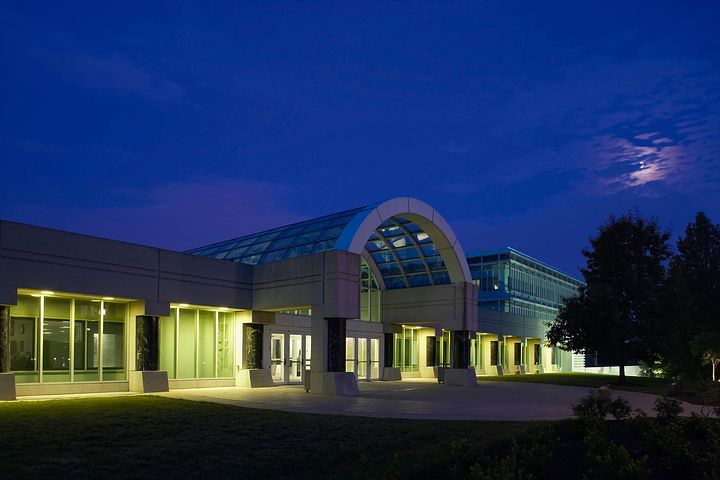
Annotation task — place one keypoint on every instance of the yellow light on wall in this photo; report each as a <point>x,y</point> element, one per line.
<point>183,305</point>
<point>108,298</point>
<point>47,292</point>
<point>222,309</point>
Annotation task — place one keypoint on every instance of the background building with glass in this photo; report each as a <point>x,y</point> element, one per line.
<point>378,292</point>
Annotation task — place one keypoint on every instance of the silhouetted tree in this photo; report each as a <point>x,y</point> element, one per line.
<point>692,299</point>
<point>615,311</point>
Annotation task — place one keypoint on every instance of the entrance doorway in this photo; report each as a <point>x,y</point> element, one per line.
<point>362,357</point>
<point>289,356</point>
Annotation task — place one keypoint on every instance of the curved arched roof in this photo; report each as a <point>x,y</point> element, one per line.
<point>406,242</point>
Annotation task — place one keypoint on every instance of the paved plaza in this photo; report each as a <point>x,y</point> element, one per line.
<point>422,399</point>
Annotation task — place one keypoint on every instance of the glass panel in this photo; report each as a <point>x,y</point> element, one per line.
<point>296,360</point>
<point>277,357</point>
<point>225,344</point>
<point>24,325</point>
<point>374,358</point>
<point>114,341</point>
<point>308,344</point>
<point>167,343</point>
<point>407,253</point>
<point>56,340</point>
<point>362,358</point>
<point>87,345</point>
<point>418,280</point>
<point>206,344</point>
<point>349,354</point>
<point>186,344</point>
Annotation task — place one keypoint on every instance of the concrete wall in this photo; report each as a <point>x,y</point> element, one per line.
<point>454,307</point>
<point>46,259</point>
<point>330,279</point>
<point>505,323</point>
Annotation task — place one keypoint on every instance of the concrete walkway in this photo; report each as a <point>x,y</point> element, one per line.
<point>422,399</point>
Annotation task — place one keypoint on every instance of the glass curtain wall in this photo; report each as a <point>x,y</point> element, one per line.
<point>197,343</point>
<point>370,293</point>
<point>406,350</point>
<point>56,338</point>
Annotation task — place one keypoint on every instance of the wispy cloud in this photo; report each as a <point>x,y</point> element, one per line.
<point>114,72</point>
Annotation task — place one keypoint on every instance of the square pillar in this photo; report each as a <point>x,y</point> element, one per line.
<point>460,374</point>
<point>253,374</point>
<point>7,379</point>
<point>390,372</point>
<point>328,375</point>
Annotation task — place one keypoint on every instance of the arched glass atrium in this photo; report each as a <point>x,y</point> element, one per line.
<point>403,254</point>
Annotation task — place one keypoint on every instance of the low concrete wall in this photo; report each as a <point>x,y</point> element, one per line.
<point>31,389</point>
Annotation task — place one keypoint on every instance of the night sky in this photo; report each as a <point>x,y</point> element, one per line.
<point>177,124</point>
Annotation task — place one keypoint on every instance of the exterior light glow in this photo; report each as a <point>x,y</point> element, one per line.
<point>183,305</point>
<point>223,309</point>
<point>36,295</point>
<point>47,292</point>
<point>108,298</point>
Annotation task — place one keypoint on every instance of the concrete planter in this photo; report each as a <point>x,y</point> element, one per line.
<point>149,382</point>
<point>7,386</point>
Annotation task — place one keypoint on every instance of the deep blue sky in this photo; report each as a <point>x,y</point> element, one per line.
<point>177,124</point>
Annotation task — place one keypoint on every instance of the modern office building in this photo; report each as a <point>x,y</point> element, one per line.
<point>379,292</point>
<point>517,296</point>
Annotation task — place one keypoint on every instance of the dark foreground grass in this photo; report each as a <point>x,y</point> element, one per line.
<point>657,386</point>
<point>146,436</point>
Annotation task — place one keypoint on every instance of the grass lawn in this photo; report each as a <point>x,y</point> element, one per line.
<point>143,436</point>
<point>657,386</point>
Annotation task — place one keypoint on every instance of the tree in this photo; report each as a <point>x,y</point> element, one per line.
<point>706,346</point>
<point>616,309</point>
<point>692,298</point>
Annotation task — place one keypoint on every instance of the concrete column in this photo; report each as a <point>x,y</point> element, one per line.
<point>146,378</point>
<point>460,349</point>
<point>336,333</point>
<point>389,371</point>
<point>147,343</point>
<point>431,352</point>
<point>4,339</point>
<point>252,374</point>
<point>388,350</point>
<point>460,373</point>
<point>328,375</point>
<point>253,346</point>
<point>7,380</point>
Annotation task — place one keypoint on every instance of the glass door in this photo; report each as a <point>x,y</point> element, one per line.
<point>295,357</point>
<point>374,358</point>
<point>277,357</point>
<point>362,358</point>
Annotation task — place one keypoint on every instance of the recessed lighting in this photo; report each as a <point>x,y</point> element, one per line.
<point>47,292</point>
<point>95,300</point>
<point>223,308</point>
<point>183,305</point>
<point>36,295</point>
<point>108,298</point>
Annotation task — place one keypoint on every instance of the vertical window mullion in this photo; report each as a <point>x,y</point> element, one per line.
<point>100,340</point>
<point>72,340</point>
<point>217,338</point>
<point>40,336</point>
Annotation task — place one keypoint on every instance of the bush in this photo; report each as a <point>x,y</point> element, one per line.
<point>600,404</point>
<point>606,459</point>
<point>668,408</point>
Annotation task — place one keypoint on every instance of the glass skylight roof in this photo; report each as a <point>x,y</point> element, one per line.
<point>404,254</point>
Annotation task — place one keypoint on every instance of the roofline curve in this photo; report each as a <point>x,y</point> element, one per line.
<point>357,231</point>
